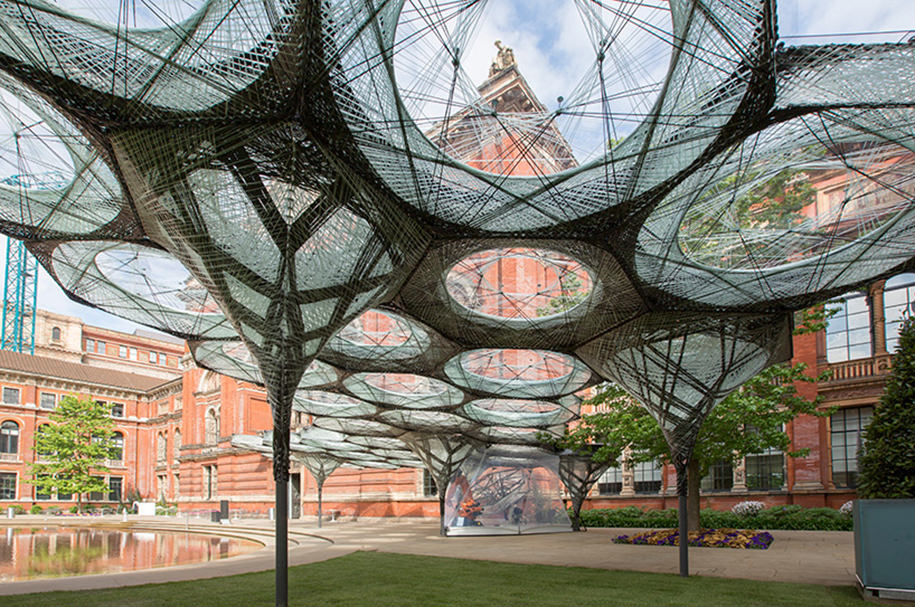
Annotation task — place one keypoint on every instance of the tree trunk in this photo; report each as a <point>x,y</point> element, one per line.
<point>692,508</point>
<point>79,502</point>
<point>576,513</point>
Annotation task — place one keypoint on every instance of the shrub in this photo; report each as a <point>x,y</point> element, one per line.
<point>35,509</point>
<point>748,508</point>
<point>777,517</point>
<point>886,464</point>
<point>74,509</point>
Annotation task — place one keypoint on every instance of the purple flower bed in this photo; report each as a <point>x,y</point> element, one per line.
<point>713,538</point>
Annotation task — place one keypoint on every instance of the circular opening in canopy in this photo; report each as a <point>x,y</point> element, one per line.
<point>516,412</point>
<point>519,284</point>
<point>518,373</point>
<point>155,276</point>
<point>331,404</point>
<point>565,83</point>
<point>378,333</point>
<point>404,390</point>
<point>798,204</point>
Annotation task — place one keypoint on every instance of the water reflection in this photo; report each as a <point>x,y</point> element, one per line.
<point>36,552</point>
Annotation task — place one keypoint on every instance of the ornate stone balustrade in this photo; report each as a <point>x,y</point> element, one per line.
<point>860,369</point>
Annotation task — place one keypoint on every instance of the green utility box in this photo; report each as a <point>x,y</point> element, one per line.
<point>885,548</point>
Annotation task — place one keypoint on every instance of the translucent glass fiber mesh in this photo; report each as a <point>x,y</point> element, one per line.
<point>506,490</point>
<point>322,201</point>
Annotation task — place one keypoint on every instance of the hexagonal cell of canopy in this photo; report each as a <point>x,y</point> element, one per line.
<point>802,210</point>
<point>439,142</point>
<point>324,438</point>
<point>512,435</point>
<point>539,295</point>
<point>53,182</point>
<point>142,283</point>
<point>234,359</point>
<point>376,442</point>
<point>404,390</point>
<point>681,365</point>
<point>427,421</point>
<point>382,340</point>
<point>526,374</point>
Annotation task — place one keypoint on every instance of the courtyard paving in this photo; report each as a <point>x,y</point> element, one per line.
<point>814,557</point>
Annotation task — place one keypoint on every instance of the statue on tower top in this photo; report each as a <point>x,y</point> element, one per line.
<point>505,59</point>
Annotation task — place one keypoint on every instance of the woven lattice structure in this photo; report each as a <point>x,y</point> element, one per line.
<point>254,176</point>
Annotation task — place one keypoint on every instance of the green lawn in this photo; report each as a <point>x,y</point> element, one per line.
<point>367,579</point>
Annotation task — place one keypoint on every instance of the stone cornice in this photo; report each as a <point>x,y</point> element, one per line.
<point>68,385</point>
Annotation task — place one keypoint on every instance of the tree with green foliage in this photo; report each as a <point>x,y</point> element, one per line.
<point>571,293</point>
<point>813,319</point>
<point>886,465</point>
<point>750,420</point>
<point>776,202</point>
<point>73,449</point>
<point>751,202</point>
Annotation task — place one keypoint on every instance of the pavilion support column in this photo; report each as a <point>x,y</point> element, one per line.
<point>441,513</point>
<point>281,404</point>
<point>682,464</point>
<point>320,496</point>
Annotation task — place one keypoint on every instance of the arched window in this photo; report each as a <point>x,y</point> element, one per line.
<point>211,427</point>
<point>55,334</point>
<point>117,442</point>
<point>176,443</point>
<point>161,447</point>
<point>9,438</point>
<point>848,334</point>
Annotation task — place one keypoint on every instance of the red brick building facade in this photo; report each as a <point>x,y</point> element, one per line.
<point>175,423</point>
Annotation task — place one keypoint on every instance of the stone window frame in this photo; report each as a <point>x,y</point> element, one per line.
<point>4,484</point>
<point>10,433</point>
<point>42,397</point>
<point>848,332</point>
<point>10,390</point>
<point>845,447</point>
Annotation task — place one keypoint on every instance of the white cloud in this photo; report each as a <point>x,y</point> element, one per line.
<point>845,16</point>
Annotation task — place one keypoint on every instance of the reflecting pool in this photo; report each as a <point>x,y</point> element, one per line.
<point>38,552</point>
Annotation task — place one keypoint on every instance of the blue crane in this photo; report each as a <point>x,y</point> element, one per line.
<point>20,283</point>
